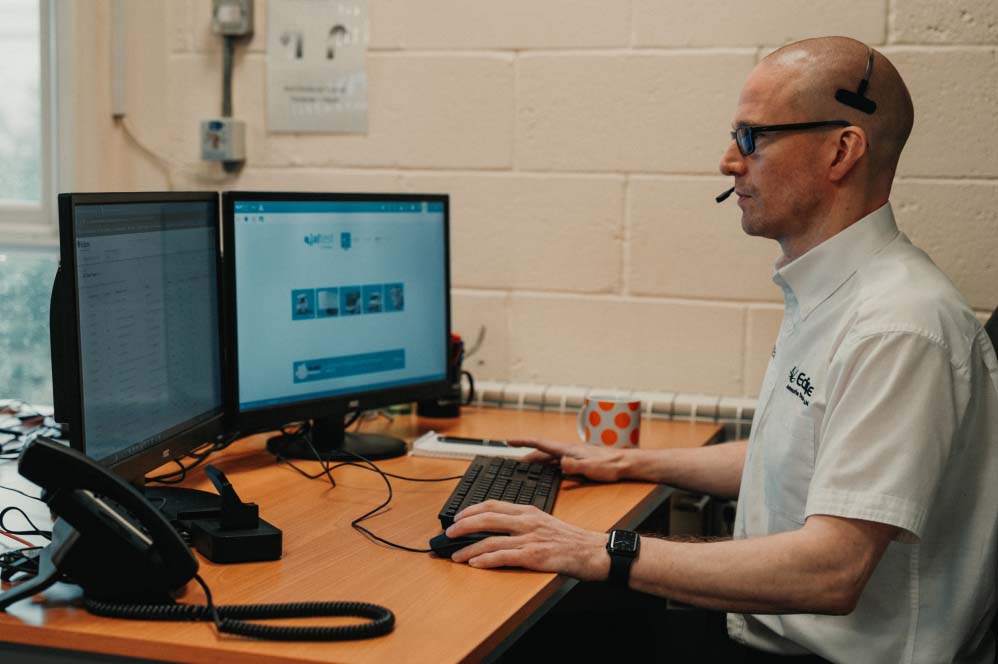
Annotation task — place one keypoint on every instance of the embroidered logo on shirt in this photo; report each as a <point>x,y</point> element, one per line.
<point>800,385</point>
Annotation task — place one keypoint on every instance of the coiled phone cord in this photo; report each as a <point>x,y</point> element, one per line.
<point>232,619</point>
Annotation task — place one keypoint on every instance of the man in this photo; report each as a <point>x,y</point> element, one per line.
<point>868,490</point>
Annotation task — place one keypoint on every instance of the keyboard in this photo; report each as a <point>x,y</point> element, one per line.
<point>494,478</point>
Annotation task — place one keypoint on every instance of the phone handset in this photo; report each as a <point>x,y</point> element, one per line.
<point>106,537</point>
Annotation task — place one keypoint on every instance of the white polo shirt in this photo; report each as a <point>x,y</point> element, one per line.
<point>880,403</point>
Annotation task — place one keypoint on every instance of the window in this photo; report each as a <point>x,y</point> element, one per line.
<point>26,119</point>
<point>28,254</point>
<point>25,287</point>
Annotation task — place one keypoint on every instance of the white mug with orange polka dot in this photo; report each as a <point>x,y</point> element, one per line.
<point>610,421</point>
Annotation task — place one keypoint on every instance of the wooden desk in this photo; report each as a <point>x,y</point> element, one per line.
<point>446,612</point>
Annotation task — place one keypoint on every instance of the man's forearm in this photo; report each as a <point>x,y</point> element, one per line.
<point>821,568</point>
<point>714,469</point>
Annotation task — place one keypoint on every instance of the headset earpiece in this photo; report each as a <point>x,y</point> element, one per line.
<point>857,99</point>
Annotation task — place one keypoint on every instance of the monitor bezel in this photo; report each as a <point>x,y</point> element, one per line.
<point>134,467</point>
<point>272,417</point>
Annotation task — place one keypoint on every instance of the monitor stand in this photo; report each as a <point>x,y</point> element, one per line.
<point>332,442</point>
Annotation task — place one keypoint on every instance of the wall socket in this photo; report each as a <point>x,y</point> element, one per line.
<point>233,18</point>
<point>223,139</point>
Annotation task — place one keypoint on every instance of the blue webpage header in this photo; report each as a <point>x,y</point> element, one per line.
<point>305,207</point>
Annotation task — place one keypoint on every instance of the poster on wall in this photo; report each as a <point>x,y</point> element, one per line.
<point>317,66</point>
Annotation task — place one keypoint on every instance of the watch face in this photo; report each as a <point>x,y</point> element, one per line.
<point>623,541</point>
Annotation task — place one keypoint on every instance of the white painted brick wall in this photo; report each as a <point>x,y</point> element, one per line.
<point>956,223</point>
<point>952,22</point>
<point>955,91</point>
<point>630,112</point>
<point>627,343</point>
<point>579,140</point>
<point>511,24</point>
<point>426,111</point>
<point>533,232</point>
<point>684,245</point>
<point>470,311</point>
<point>715,23</point>
<point>315,179</point>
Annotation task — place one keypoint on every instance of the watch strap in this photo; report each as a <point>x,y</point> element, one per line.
<point>620,569</point>
<point>622,556</point>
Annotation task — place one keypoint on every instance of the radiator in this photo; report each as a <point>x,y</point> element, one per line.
<point>734,413</point>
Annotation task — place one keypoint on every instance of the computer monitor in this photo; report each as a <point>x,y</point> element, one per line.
<point>135,327</point>
<point>336,303</point>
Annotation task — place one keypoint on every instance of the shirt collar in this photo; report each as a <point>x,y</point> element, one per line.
<point>812,278</point>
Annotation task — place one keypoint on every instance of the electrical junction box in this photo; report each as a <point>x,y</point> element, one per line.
<point>232,17</point>
<point>223,139</point>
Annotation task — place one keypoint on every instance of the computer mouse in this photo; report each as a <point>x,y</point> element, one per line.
<point>444,547</point>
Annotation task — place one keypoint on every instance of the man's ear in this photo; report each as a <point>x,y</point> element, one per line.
<point>850,148</point>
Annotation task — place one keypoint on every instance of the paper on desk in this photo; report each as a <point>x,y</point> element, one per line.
<point>429,444</point>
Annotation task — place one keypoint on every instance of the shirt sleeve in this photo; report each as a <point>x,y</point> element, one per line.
<point>893,407</point>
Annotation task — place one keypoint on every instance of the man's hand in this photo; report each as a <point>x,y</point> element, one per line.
<point>536,540</point>
<point>597,463</point>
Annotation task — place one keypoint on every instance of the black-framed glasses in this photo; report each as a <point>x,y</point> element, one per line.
<point>744,137</point>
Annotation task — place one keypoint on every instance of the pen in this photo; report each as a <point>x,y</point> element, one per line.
<point>472,441</point>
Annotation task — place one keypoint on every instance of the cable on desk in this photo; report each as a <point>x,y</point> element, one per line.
<point>15,538</point>
<point>26,495</point>
<point>19,561</point>
<point>35,530</point>
<point>356,522</point>
<point>179,475</point>
<point>231,619</point>
<point>306,435</point>
<point>175,477</point>
<point>355,464</point>
<point>302,431</point>
<point>353,418</point>
<point>303,428</point>
<point>396,476</point>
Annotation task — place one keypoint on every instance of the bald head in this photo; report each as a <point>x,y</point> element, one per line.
<point>814,69</point>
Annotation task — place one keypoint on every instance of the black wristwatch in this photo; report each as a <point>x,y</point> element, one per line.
<point>623,547</point>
